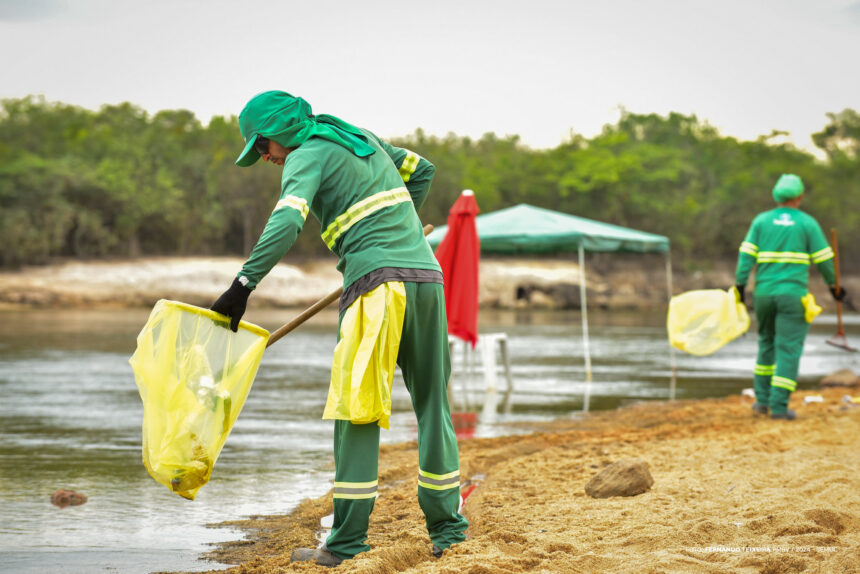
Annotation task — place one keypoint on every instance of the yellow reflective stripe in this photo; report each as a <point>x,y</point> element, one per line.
<point>439,486</point>
<point>438,481</point>
<point>783,383</point>
<point>787,261</point>
<point>784,254</point>
<point>822,255</point>
<point>409,165</point>
<point>438,476</point>
<point>297,203</point>
<point>362,209</point>
<point>355,490</point>
<point>751,248</point>
<point>354,496</point>
<point>764,369</point>
<point>783,257</point>
<point>356,484</point>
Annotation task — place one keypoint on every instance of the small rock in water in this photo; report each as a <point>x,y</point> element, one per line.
<point>841,378</point>
<point>627,477</point>
<point>64,498</point>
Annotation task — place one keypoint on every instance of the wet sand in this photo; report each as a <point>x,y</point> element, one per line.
<point>733,492</point>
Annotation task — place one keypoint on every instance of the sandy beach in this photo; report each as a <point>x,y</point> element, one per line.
<point>732,492</point>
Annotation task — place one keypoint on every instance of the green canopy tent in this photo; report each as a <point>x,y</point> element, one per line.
<point>525,229</point>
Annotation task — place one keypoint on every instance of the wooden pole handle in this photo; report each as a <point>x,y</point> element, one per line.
<point>835,241</point>
<point>316,308</point>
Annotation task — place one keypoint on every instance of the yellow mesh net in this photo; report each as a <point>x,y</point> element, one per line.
<point>701,322</point>
<point>193,375</point>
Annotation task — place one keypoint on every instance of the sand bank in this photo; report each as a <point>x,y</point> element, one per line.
<point>733,492</point>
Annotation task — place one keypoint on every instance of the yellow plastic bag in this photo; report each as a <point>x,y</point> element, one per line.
<point>362,372</point>
<point>701,322</point>
<point>811,310</point>
<point>193,375</point>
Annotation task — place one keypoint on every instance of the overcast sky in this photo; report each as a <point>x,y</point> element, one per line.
<point>535,68</point>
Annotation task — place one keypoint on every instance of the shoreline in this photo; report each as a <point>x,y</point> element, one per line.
<point>732,492</point>
<point>630,282</point>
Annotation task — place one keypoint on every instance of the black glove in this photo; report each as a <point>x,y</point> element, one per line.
<point>232,303</point>
<point>838,295</point>
<point>741,289</point>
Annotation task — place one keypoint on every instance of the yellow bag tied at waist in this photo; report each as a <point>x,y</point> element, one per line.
<point>703,321</point>
<point>193,375</point>
<point>811,310</point>
<point>365,357</point>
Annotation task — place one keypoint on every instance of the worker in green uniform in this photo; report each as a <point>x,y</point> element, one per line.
<point>781,244</point>
<point>366,194</point>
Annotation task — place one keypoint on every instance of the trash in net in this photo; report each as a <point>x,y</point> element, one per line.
<point>193,374</point>
<point>703,321</point>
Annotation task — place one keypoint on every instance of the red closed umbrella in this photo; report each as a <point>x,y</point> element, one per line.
<point>458,254</point>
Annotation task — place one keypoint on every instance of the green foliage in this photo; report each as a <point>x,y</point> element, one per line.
<point>118,181</point>
<point>675,176</point>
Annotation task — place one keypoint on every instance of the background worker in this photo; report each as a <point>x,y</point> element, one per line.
<point>781,244</point>
<point>366,194</point>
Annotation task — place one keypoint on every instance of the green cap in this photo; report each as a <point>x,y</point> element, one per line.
<point>787,187</point>
<point>289,121</point>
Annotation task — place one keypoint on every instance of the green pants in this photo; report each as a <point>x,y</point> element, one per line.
<point>782,329</point>
<point>425,362</point>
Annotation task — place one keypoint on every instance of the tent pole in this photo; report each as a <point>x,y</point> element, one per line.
<point>672,363</point>
<point>584,309</point>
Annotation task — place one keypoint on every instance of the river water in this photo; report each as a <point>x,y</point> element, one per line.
<point>70,417</point>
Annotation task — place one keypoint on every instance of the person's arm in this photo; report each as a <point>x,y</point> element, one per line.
<point>417,172</point>
<point>821,254</point>
<point>747,257</point>
<point>299,184</point>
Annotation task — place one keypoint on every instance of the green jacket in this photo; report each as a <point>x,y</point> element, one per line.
<point>781,244</point>
<point>367,207</point>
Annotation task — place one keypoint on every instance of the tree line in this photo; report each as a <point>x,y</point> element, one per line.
<point>122,182</point>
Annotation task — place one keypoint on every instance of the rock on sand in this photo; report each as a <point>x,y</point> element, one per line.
<point>627,477</point>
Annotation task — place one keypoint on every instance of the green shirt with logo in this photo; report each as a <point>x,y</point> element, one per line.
<point>781,244</point>
<point>367,208</point>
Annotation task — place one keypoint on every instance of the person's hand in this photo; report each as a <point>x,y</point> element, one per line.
<point>838,295</point>
<point>232,303</point>
<point>741,294</point>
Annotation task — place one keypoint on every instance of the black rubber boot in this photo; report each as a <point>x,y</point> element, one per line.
<point>320,555</point>
<point>760,409</point>
<point>437,552</point>
<point>788,415</point>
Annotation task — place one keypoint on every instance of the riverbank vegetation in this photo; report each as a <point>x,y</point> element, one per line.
<point>122,182</point>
